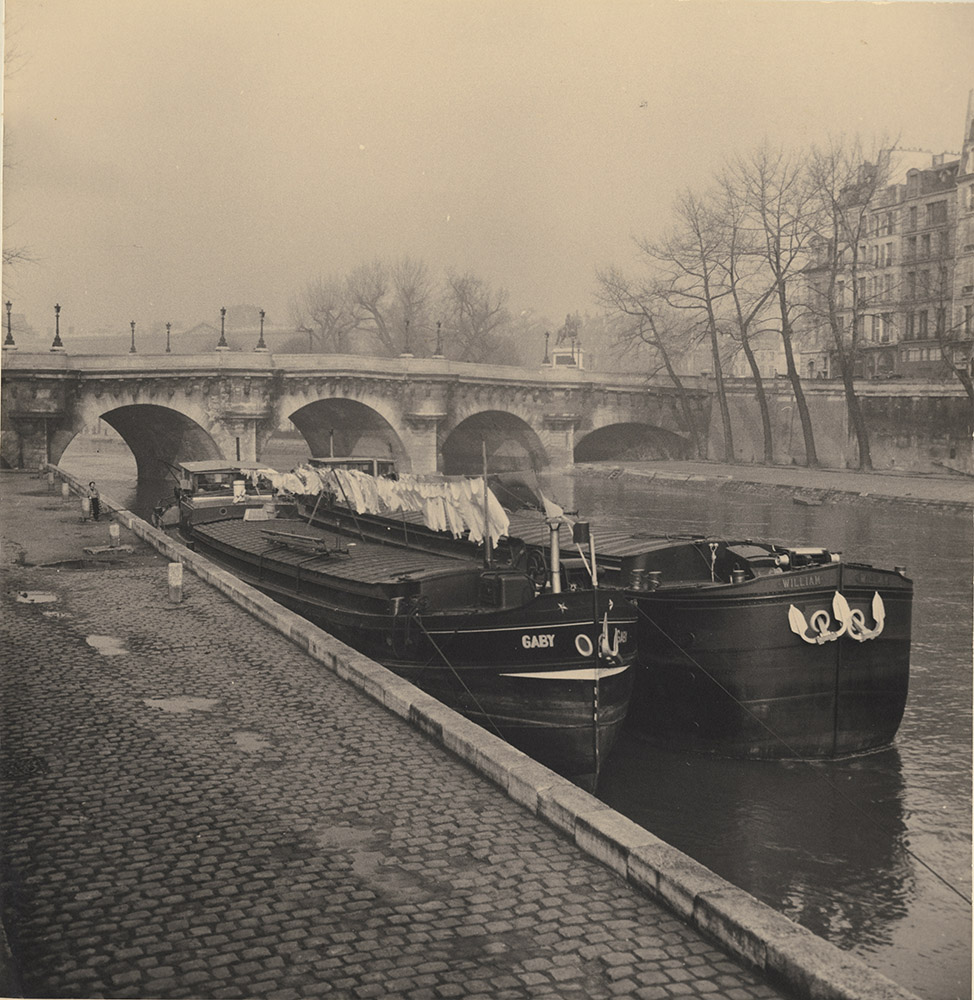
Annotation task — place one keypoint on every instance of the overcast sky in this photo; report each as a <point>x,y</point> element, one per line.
<point>168,157</point>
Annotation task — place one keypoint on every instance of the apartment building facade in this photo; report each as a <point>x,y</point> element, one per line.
<point>913,298</point>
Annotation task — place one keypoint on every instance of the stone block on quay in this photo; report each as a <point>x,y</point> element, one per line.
<point>672,876</point>
<point>816,969</point>
<point>430,716</point>
<point>563,802</point>
<point>487,753</point>
<point>611,837</point>
<point>528,780</point>
<point>365,674</point>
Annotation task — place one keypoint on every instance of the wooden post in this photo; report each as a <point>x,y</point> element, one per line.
<point>175,582</point>
<point>65,490</point>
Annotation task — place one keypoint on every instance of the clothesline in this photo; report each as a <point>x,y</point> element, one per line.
<point>454,504</point>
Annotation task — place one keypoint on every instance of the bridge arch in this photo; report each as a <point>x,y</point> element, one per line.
<point>511,444</point>
<point>158,436</point>
<point>341,426</point>
<point>633,441</point>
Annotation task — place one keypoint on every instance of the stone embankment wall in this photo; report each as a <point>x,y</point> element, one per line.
<point>912,427</point>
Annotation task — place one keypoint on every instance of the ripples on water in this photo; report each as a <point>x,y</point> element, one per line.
<point>826,843</point>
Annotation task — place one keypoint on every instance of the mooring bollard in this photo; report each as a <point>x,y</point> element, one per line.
<point>85,508</point>
<point>114,534</point>
<point>50,482</point>
<point>175,582</point>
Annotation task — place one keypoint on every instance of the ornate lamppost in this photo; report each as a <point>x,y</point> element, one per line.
<point>57,345</point>
<point>439,341</point>
<point>407,353</point>
<point>8,344</point>
<point>261,346</point>
<point>168,345</point>
<point>132,348</point>
<point>222,344</point>
<point>546,336</point>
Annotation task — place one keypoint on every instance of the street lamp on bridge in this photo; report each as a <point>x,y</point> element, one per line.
<point>8,344</point>
<point>439,341</point>
<point>261,346</point>
<point>132,348</point>
<point>168,345</point>
<point>222,344</point>
<point>57,345</point>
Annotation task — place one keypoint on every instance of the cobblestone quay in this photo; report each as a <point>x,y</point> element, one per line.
<point>194,807</point>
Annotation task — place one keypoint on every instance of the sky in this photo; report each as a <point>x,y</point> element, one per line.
<point>164,158</point>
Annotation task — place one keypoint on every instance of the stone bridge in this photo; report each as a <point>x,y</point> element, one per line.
<point>428,414</point>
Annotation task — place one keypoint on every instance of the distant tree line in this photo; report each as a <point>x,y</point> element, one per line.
<point>393,307</point>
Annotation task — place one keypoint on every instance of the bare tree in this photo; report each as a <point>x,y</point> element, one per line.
<point>415,294</point>
<point>371,292</point>
<point>326,309</point>
<point>692,260</point>
<point>477,321</point>
<point>748,293</point>
<point>637,313</point>
<point>845,183</point>
<point>782,202</point>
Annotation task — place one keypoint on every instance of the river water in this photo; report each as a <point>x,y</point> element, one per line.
<point>866,852</point>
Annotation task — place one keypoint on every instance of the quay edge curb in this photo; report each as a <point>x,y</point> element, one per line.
<point>755,933</point>
<point>782,489</point>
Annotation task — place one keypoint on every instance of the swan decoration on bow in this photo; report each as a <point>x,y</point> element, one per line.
<point>852,622</point>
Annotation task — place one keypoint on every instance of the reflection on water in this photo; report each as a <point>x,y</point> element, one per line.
<point>840,846</point>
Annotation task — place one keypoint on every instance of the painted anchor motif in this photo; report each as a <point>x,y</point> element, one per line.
<point>816,630</point>
<point>855,620</point>
<point>608,651</point>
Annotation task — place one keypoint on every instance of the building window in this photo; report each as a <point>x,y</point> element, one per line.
<point>936,213</point>
<point>910,326</point>
<point>888,287</point>
<point>913,217</point>
<point>922,324</point>
<point>887,334</point>
<point>876,255</point>
<point>889,223</point>
<point>862,290</point>
<point>911,285</point>
<point>911,248</point>
<point>889,255</point>
<point>968,320</point>
<point>942,243</point>
<point>924,284</point>
<point>925,245</point>
<point>874,329</point>
<point>941,322</point>
<point>840,294</point>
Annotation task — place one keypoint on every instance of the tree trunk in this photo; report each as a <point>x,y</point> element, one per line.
<point>722,397</point>
<point>856,418</point>
<point>811,456</point>
<point>686,407</point>
<point>762,399</point>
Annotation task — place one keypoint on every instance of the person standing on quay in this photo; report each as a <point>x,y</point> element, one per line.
<point>95,500</point>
